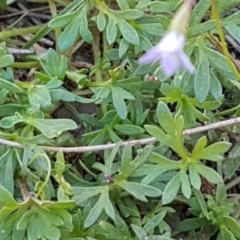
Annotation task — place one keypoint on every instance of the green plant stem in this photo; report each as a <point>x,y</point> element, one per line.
<point>228,111</point>
<point>25,65</point>
<point>20,31</point>
<point>233,183</point>
<point>98,73</point>
<point>48,173</point>
<point>53,8</point>
<point>33,176</point>
<point>96,52</point>
<point>102,6</point>
<point>215,15</point>
<point>105,43</point>
<point>87,169</point>
<point>16,22</point>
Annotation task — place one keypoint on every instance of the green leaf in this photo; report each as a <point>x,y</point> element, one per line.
<point>64,215</point>
<point>6,60</point>
<point>234,31</point>
<point>230,166</point>
<point>9,176</point>
<point>213,151</point>
<point>109,157</point>
<point>128,32</point>
<point>9,122</point>
<point>111,31</point>
<point>163,161</point>
<point>54,64</point>
<point>232,19</point>
<point>23,221</point>
<point>198,148</point>
<point>199,12</point>
<point>195,178</point>
<point>95,212</point>
<point>59,204</point>
<point>226,5</point>
<point>50,216</point>
<point>129,129</point>
<point>157,133</point>
<point>139,190</point>
<point>52,127</point>
<point>221,193</point>
<point>202,79</point>
<point>101,21</point>
<point>191,224</point>
<point>33,228</point>
<point>6,198</point>
<point>208,173</point>
<point>154,221</point>
<point>202,202</point>
<point>83,26</point>
<point>11,87</point>
<point>225,234</point>
<point>118,96</point>
<point>129,14</point>
<point>10,109</point>
<point>233,225</point>
<point>123,47</point>
<point>3,4</point>
<point>171,190</point>
<point>123,4</point>
<point>60,164</point>
<point>145,43</point>
<point>83,193</point>
<point>165,118</point>
<point>155,29</point>
<point>215,87</point>
<point>108,207</point>
<point>109,230</point>
<point>161,6</point>
<point>90,120</point>
<point>65,42</point>
<point>52,233</point>
<point>62,20</point>
<point>218,61</point>
<point>141,234</point>
<point>198,29</point>
<point>128,167</point>
<point>186,188</point>
<point>126,158</point>
<point>39,97</point>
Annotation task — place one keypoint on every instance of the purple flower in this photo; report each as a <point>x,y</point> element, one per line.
<point>169,51</point>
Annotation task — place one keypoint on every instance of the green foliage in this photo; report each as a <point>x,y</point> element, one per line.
<point>132,191</point>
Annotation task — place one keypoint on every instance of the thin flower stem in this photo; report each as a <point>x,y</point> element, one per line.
<point>228,111</point>
<point>48,172</point>
<point>215,15</point>
<point>144,141</point>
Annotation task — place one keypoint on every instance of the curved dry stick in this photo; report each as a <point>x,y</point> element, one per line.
<point>144,141</point>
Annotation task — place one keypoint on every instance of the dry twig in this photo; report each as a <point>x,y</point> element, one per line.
<point>144,141</point>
